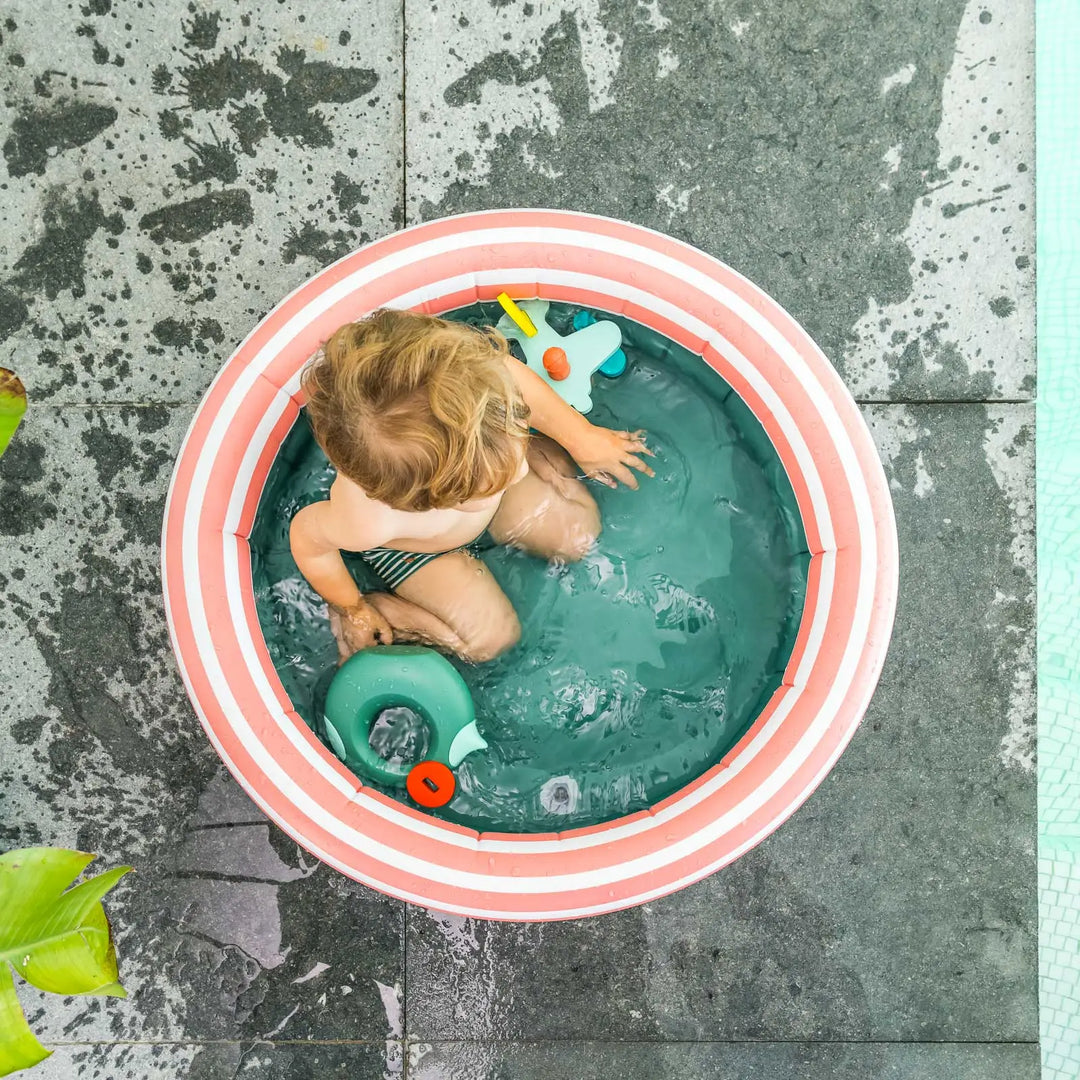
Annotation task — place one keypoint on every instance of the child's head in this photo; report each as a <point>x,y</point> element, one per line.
<point>422,413</point>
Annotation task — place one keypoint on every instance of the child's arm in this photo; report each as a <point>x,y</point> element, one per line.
<point>602,453</point>
<point>318,555</point>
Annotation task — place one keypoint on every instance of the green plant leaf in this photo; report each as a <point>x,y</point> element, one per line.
<point>12,405</point>
<point>55,939</point>
<point>78,962</point>
<point>19,1048</point>
<point>46,872</point>
<point>59,941</point>
<point>96,920</point>
<point>38,871</point>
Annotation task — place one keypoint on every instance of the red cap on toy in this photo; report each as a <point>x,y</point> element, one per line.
<point>430,784</point>
<point>556,364</point>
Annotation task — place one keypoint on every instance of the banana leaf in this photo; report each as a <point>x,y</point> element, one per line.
<point>12,406</point>
<point>56,940</point>
<point>19,1048</point>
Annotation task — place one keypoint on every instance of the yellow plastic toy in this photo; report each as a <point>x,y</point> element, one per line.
<point>520,318</point>
<point>565,362</point>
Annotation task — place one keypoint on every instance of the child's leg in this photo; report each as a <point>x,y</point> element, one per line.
<point>453,603</point>
<point>549,513</point>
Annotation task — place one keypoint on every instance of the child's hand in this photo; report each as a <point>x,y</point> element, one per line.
<point>608,456</point>
<point>359,627</point>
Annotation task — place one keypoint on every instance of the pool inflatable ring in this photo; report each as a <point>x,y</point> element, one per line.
<point>602,265</point>
<point>392,676</point>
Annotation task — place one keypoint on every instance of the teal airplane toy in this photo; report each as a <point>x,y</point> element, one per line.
<point>565,363</point>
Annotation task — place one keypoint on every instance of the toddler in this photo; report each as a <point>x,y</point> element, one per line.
<point>427,423</point>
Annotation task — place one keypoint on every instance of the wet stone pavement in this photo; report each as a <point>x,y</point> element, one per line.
<point>171,170</point>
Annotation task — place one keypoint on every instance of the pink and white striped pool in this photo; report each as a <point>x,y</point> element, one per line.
<point>598,263</point>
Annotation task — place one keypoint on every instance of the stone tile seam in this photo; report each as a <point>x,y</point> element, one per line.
<point>494,1041</point>
<point>254,1041</point>
<point>732,1042</point>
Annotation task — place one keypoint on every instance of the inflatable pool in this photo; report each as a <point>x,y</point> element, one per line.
<point>608,266</point>
<point>638,667</point>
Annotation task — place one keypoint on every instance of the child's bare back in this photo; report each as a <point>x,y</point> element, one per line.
<point>427,423</point>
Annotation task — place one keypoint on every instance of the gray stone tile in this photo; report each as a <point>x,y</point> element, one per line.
<point>891,907</point>
<point>226,930</point>
<point>222,1061</point>
<point>957,692</point>
<point>721,1061</point>
<point>899,902</point>
<point>171,172</point>
<point>869,166</point>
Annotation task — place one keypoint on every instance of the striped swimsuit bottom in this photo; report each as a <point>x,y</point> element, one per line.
<point>395,567</point>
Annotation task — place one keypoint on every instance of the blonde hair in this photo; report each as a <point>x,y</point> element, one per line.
<point>422,413</point>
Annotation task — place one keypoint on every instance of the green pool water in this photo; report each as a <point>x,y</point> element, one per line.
<point>638,667</point>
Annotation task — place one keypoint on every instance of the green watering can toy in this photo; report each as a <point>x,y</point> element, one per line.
<point>416,678</point>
